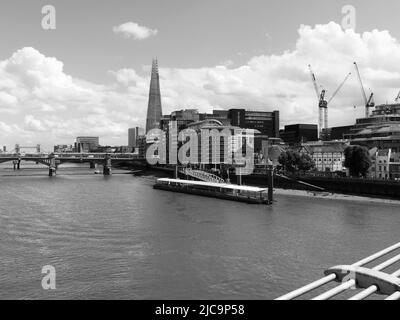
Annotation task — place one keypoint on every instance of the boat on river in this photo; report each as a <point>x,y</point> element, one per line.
<point>247,194</point>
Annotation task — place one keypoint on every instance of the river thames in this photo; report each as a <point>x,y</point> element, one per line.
<point>118,238</point>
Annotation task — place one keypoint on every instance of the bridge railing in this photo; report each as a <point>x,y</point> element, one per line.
<point>8,155</point>
<point>98,155</point>
<point>202,175</point>
<point>72,155</point>
<point>356,276</point>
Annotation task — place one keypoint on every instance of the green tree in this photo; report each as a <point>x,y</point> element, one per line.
<point>306,163</point>
<point>288,160</point>
<point>293,161</point>
<point>357,160</point>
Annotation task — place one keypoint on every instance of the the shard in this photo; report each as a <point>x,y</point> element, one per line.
<point>154,110</point>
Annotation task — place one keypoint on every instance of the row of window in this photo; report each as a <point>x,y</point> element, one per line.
<point>327,155</point>
<point>327,160</point>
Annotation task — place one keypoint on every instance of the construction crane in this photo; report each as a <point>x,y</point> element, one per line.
<point>369,103</point>
<point>334,95</point>
<point>322,103</point>
<point>398,97</point>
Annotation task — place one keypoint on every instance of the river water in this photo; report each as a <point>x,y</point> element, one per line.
<point>118,238</point>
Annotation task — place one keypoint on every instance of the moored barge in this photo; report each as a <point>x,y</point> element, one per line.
<point>247,194</point>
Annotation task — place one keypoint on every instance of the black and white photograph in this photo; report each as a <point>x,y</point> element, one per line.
<point>198,154</point>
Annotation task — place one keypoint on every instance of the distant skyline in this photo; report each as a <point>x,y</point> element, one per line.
<point>91,75</point>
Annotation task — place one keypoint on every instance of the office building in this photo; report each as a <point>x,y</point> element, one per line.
<point>336,133</point>
<point>299,133</point>
<point>86,144</point>
<point>133,134</point>
<point>380,130</point>
<point>265,123</point>
<point>142,146</point>
<point>63,148</point>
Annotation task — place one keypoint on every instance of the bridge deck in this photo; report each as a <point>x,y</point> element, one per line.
<point>70,156</point>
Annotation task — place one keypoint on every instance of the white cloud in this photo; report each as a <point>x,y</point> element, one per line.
<point>7,99</point>
<point>33,124</point>
<point>40,102</point>
<point>282,81</point>
<point>134,30</point>
<point>126,76</point>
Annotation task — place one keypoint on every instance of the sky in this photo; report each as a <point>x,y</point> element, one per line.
<point>90,75</point>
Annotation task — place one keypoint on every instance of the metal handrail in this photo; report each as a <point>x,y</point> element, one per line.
<point>352,282</point>
<point>202,175</point>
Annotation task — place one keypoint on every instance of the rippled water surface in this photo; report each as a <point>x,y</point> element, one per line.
<point>117,237</point>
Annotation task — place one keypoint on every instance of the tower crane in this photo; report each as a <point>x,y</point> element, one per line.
<point>333,96</point>
<point>398,97</point>
<point>322,103</point>
<point>369,103</point>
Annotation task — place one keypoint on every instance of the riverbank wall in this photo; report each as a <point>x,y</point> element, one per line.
<point>352,186</point>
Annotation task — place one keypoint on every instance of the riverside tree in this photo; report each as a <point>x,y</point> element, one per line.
<point>357,160</point>
<point>293,161</point>
<point>306,163</point>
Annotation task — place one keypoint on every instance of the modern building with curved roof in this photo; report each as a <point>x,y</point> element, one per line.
<point>381,129</point>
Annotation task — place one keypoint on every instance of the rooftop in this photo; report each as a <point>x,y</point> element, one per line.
<point>214,184</point>
<point>325,148</point>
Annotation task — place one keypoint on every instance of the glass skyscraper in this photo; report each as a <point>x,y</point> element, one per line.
<point>154,111</point>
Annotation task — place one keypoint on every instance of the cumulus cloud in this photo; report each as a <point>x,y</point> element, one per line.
<point>134,31</point>
<point>32,124</point>
<point>7,99</point>
<point>282,81</point>
<point>40,102</point>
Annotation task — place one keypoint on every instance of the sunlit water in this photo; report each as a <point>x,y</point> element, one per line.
<point>118,238</point>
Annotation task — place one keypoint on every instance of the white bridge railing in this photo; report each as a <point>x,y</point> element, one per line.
<point>202,175</point>
<point>356,276</point>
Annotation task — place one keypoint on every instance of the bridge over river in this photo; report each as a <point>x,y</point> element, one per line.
<point>53,160</point>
